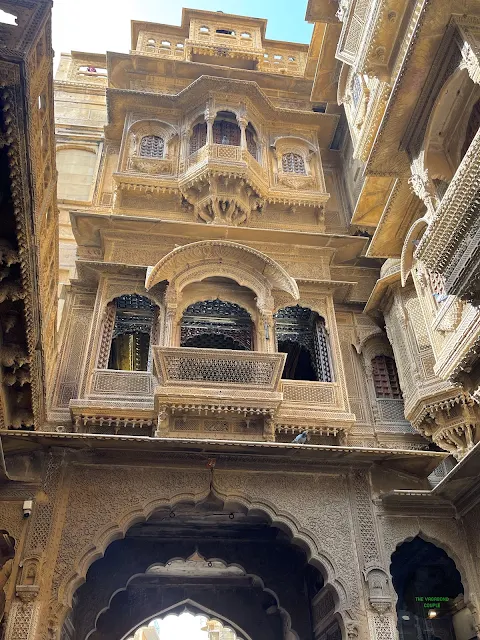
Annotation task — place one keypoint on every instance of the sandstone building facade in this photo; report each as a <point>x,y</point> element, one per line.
<point>252,239</point>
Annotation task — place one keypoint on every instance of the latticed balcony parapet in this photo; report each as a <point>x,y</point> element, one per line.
<point>450,245</point>
<point>223,383</point>
<point>222,369</point>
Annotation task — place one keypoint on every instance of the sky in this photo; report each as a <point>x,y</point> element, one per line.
<point>98,26</point>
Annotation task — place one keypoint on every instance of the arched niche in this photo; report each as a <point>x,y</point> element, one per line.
<point>129,329</point>
<point>76,167</point>
<point>209,258</point>
<point>225,129</point>
<point>141,130</point>
<point>109,537</point>
<point>431,599</point>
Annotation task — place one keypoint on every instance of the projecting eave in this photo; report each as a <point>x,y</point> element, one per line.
<point>375,301</point>
<point>322,54</point>
<point>322,11</point>
<point>234,454</point>
<point>207,78</point>
<point>401,210</point>
<point>455,495</point>
<point>90,229</point>
<point>418,49</point>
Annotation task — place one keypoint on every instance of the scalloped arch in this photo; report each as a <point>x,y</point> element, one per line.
<point>286,522</point>
<point>283,612</point>
<point>199,260</point>
<point>152,126</point>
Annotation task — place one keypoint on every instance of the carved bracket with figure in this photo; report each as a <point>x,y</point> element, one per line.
<point>379,595</point>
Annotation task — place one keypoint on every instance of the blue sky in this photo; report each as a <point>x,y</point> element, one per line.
<point>104,25</point>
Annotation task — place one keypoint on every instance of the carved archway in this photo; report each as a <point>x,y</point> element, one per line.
<point>117,527</point>
<point>421,569</point>
<point>219,612</point>
<point>209,258</point>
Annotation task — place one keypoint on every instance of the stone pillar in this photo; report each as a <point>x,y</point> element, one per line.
<point>380,609</point>
<point>209,119</point>
<point>163,422</point>
<point>169,326</point>
<point>184,151</point>
<point>243,123</point>
<point>266,331</point>
<point>23,620</point>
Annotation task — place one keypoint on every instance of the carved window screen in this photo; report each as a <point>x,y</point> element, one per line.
<point>385,377</point>
<point>437,284</point>
<point>225,132</point>
<point>214,324</point>
<point>293,163</point>
<point>199,137</point>
<point>152,147</point>
<point>301,333</point>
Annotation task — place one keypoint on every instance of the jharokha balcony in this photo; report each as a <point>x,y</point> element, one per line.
<point>213,383</point>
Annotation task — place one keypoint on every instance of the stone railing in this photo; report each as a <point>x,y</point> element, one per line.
<point>225,153</point>
<point>158,51</point>
<point>285,62</point>
<point>150,166</point>
<point>316,393</point>
<point>182,366</point>
<point>109,382</point>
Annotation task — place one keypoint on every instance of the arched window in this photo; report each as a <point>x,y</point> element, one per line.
<point>293,163</point>
<point>251,141</point>
<point>152,147</point>
<point>226,132</point>
<point>385,377</point>
<point>472,127</point>
<point>134,318</point>
<point>199,137</point>
<point>214,324</point>
<point>302,335</point>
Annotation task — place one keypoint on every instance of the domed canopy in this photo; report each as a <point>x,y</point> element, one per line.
<point>199,260</point>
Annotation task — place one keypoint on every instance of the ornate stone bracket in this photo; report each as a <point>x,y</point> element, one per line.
<point>379,595</point>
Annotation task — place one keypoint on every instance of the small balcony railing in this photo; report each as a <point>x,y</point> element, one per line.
<point>225,153</point>
<point>190,367</point>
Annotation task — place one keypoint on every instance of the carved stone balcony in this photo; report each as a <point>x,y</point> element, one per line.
<point>218,380</point>
<point>224,183</point>
<point>319,406</point>
<point>451,244</point>
<point>150,166</point>
<point>104,409</point>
